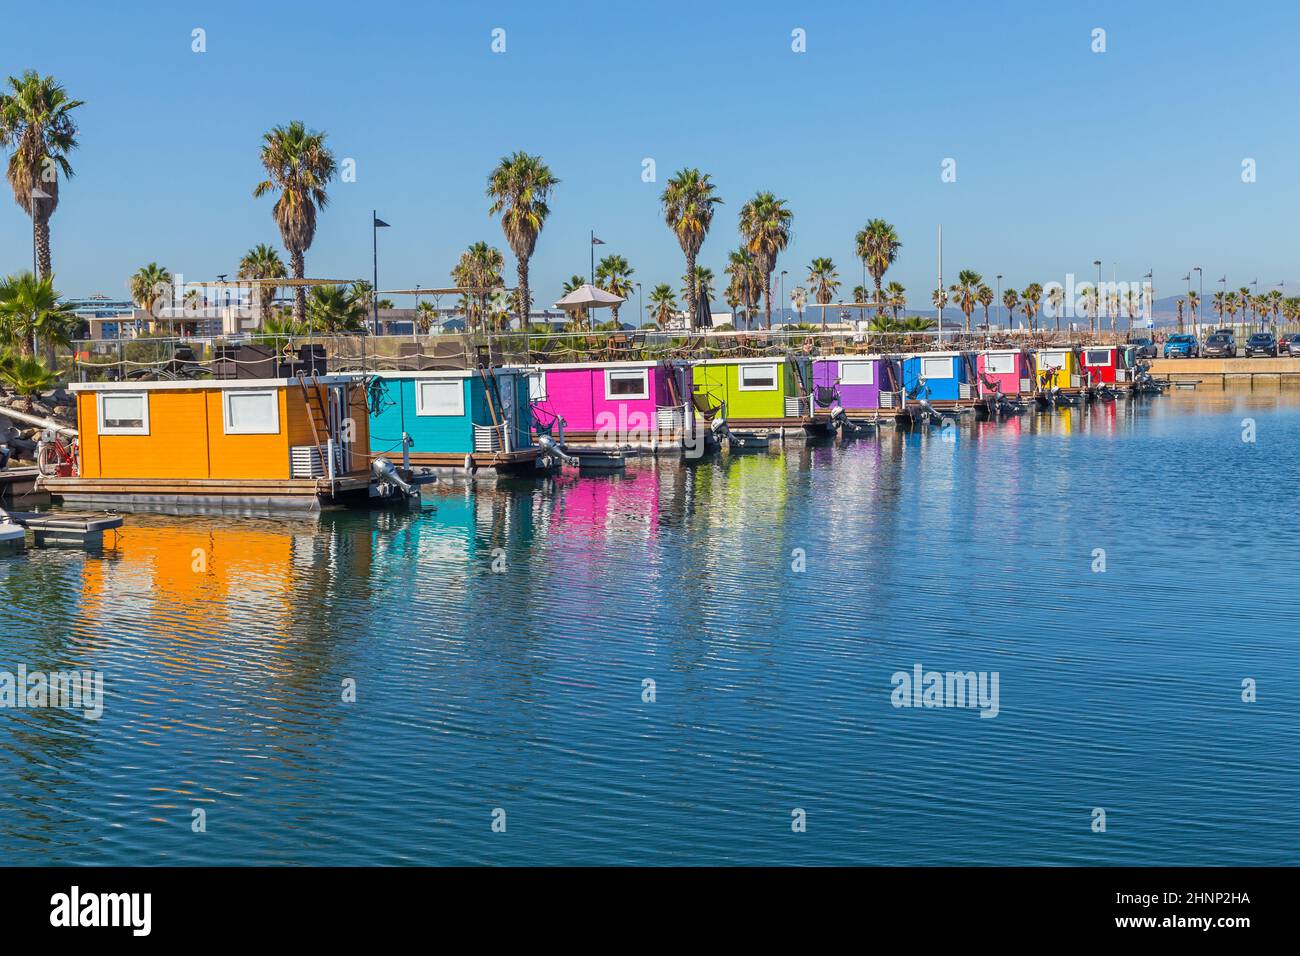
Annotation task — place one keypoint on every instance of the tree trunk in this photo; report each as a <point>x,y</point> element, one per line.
<point>296,265</point>
<point>767,299</point>
<point>522,271</point>
<point>43,244</point>
<point>690,290</point>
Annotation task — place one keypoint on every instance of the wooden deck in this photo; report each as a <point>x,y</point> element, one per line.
<point>206,493</point>
<point>521,460</point>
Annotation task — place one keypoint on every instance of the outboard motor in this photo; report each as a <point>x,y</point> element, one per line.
<point>721,431</point>
<point>840,420</point>
<point>553,450</point>
<point>829,399</point>
<point>928,413</point>
<point>386,473</point>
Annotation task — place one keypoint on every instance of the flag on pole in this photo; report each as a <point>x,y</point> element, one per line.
<point>597,242</point>
<point>380,224</point>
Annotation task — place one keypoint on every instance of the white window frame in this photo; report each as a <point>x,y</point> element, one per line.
<point>1110,358</point>
<point>1008,357</point>
<point>776,378</point>
<point>1057,359</point>
<point>230,429</point>
<point>457,409</point>
<point>537,387</point>
<point>870,378</point>
<point>947,367</point>
<point>123,430</point>
<point>643,392</point>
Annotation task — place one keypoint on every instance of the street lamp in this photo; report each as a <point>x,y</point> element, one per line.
<point>999,300</point>
<point>1200,295</point>
<point>640,305</point>
<point>1096,299</point>
<point>782,280</point>
<point>1151,290</point>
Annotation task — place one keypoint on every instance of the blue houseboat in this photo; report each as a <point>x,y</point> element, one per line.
<point>454,419</point>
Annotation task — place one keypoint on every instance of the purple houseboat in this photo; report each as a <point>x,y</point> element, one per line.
<point>865,386</point>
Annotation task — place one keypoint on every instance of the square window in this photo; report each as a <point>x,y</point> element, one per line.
<point>627,383</point>
<point>755,378</point>
<point>446,397</point>
<point>251,413</point>
<point>857,373</point>
<point>1000,363</point>
<point>123,413</point>
<point>537,386</point>
<point>936,368</point>
<point>1099,357</point>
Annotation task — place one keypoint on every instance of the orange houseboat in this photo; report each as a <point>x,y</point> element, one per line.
<point>233,444</point>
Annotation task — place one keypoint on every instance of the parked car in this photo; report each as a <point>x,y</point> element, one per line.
<point>1145,348</point>
<point>1219,345</point>
<point>1262,343</point>
<point>1182,346</point>
<point>1291,345</point>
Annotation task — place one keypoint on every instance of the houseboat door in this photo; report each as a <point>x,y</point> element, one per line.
<point>506,392</point>
<point>341,428</point>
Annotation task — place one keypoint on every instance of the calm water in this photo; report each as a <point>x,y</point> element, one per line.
<point>522,690</point>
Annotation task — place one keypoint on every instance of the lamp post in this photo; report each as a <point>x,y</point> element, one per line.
<point>1096,299</point>
<point>375,225</point>
<point>1223,281</point>
<point>999,299</point>
<point>1151,291</point>
<point>640,306</point>
<point>1200,296</point>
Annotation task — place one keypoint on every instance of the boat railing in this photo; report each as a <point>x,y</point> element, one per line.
<point>274,356</point>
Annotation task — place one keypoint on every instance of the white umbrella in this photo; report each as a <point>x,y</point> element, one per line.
<point>587,296</point>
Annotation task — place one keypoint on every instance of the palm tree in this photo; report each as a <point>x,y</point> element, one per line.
<point>426,316</point>
<point>1056,299</point>
<point>939,298</point>
<point>1218,301</point>
<point>917,323</point>
<point>28,378</point>
<point>262,262</point>
<point>824,280</point>
<point>334,310</point>
<point>1133,302</point>
<point>1010,300</point>
<point>688,200</point>
<point>884,323</point>
<point>1029,300</point>
<point>1089,297</point>
<point>746,278</point>
<point>662,303</point>
<point>149,286</point>
<point>799,299</point>
<point>1231,303</point>
<point>298,166</point>
<point>765,227</point>
<point>966,290</point>
<point>519,188</point>
<point>479,267</point>
<point>36,120</point>
<point>984,296</point>
<point>573,284</point>
<point>896,298</point>
<point>1180,302</point>
<point>702,286</point>
<point>1194,305</point>
<point>31,313</point>
<point>877,247</point>
<point>614,275</point>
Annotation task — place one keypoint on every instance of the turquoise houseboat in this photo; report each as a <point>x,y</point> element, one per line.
<point>462,419</point>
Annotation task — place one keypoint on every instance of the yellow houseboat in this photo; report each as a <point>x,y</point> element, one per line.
<point>225,444</point>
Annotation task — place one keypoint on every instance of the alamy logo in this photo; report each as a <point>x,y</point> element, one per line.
<point>103,909</point>
<point>60,690</point>
<point>922,688</point>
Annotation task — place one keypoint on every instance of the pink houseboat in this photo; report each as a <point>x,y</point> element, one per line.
<point>637,405</point>
<point>1009,371</point>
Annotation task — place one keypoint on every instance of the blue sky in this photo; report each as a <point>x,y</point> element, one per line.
<point>1063,155</point>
